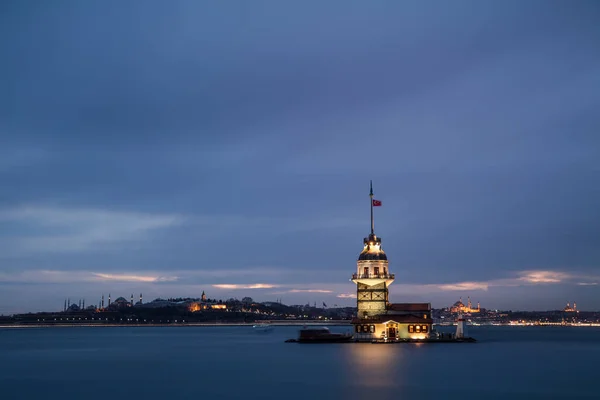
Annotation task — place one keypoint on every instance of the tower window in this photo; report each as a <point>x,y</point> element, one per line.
<point>376,270</point>
<point>366,271</point>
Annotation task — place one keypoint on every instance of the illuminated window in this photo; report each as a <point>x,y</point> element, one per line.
<point>357,328</point>
<point>424,328</point>
<point>366,271</point>
<point>376,271</point>
<point>411,329</point>
<point>372,328</point>
<point>424,316</point>
<point>365,328</point>
<point>418,328</point>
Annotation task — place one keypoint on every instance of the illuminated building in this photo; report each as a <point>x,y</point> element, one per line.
<point>568,308</point>
<point>376,318</point>
<point>195,307</point>
<point>459,307</point>
<point>204,304</point>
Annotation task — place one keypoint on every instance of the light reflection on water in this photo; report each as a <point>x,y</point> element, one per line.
<point>375,365</point>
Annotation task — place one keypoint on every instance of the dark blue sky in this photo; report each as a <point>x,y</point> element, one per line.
<point>172,147</point>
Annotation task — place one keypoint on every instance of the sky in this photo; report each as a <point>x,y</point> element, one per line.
<point>170,148</point>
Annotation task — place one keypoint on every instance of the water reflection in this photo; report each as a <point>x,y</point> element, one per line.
<point>375,365</point>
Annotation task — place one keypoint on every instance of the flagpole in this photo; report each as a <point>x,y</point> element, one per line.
<point>372,221</point>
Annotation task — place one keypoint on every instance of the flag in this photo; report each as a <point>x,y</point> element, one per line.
<point>376,203</point>
<point>324,305</point>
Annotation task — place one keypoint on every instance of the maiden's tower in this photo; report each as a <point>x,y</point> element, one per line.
<point>377,318</point>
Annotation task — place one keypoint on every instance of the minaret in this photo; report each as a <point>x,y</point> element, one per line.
<point>203,298</point>
<point>372,277</point>
<point>68,302</point>
<point>574,306</point>
<point>469,302</point>
<point>103,301</point>
<point>83,303</point>
<point>131,299</point>
<point>140,298</point>
<point>108,305</point>
<point>478,307</point>
<point>80,304</point>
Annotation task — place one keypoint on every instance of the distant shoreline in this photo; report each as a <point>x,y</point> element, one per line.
<point>250,324</point>
<point>185,324</point>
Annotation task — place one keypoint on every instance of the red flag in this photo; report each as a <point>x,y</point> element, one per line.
<point>376,203</point>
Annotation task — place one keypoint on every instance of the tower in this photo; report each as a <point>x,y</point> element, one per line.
<point>460,326</point>
<point>102,301</point>
<point>469,302</point>
<point>203,298</point>
<point>108,305</point>
<point>83,303</point>
<point>65,306</point>
<point>131,299</point>
<point>372,277</point>
<point>140,298</point>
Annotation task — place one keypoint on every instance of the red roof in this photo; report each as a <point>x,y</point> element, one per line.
<point>401,319</point>
<point>410,307</point>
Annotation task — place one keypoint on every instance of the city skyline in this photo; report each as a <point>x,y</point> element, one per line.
<point>228,148</point>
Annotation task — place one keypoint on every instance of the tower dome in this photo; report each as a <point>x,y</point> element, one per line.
<point>372,250</point>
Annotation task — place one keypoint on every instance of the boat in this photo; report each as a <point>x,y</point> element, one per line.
<point>262,327</point>
<point>320,335</point>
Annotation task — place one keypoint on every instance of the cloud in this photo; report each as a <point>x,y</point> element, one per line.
<point>463,286</point>
<point>55,229</point>
<point>543,276</point>
<point>235,286</point>
<point>46,276</point>
<point>309,291</point>
<point>346,295</point>
<point>522,278</point>
<point>135,278</point>
<point>56,276</point>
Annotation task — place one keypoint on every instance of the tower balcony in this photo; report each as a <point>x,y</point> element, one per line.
<point>373,276</point>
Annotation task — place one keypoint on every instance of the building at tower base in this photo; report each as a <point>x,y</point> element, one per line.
<point>377,318</point>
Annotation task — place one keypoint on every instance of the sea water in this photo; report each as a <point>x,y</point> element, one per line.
<point>149,363</point>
